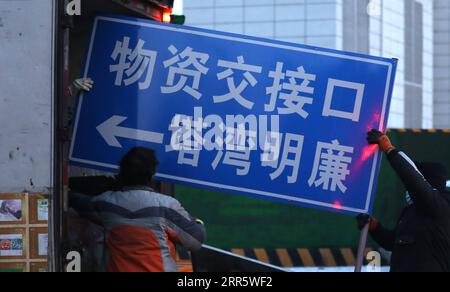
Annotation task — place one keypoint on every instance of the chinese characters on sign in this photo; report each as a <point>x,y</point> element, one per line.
<point>133,63</point>
<point>233,113</point>
<point>294,89</point>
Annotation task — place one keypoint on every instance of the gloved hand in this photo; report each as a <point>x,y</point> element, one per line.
<point>82,84</point>
<point>377,137</point>
<point>364,219</point>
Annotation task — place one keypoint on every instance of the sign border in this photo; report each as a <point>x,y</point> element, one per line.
<point>256,41</point>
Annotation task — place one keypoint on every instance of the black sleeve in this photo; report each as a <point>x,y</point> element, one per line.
<point>81,203</point>
<point>84,206</point>
<point>384,237</point>
<point>426,199</point>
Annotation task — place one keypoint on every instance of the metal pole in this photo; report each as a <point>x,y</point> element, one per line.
<point>362,248</point>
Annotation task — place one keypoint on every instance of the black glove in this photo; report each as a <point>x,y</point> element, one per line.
<point>373,137</point>
<point>383,141</point>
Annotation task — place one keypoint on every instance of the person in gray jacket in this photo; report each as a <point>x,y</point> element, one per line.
<point>142,226</point>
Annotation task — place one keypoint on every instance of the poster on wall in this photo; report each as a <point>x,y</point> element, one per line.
<point>11,209</point>
<point>43,244</point>
<point>12,243</point>
<point>38,209</point>
<point>39,243</point>
<point>42,209</point>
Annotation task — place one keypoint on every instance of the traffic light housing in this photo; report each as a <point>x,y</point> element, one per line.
<point>178,19</point>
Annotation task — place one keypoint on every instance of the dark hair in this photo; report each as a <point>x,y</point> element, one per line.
<point>138,167</point>
<point>435,173</point>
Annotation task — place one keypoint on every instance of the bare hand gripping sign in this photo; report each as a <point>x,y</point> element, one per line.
<point>233,113</point>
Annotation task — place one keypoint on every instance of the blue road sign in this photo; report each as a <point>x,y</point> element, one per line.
<point>233,113</point>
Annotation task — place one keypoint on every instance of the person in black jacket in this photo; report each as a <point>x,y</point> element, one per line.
<point>421,240</point>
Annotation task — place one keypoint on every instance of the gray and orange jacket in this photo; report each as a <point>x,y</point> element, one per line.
<point>142,228</point>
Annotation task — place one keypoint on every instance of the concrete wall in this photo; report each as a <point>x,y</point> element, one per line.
<point>26,95</point>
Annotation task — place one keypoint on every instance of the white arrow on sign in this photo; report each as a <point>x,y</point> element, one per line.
<point>110,131</point>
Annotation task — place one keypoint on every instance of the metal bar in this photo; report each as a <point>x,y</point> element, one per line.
<point>361,249</point>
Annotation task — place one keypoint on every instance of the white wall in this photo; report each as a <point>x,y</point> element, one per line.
<point>26,103</point>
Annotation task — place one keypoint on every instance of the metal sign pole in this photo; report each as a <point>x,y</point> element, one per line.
<point>361,249</point>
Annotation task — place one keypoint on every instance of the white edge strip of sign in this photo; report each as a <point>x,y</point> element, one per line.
<point>86,70</point>
<point>245,258</point>
<point>242,40</point>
